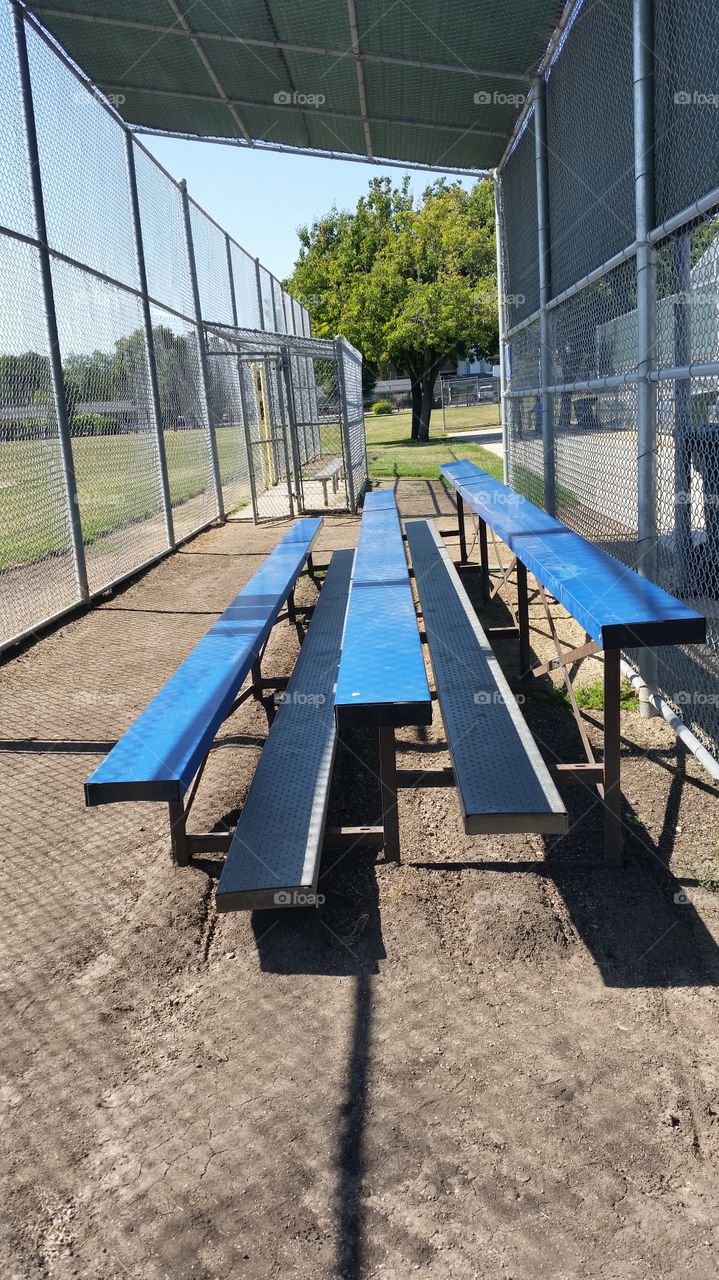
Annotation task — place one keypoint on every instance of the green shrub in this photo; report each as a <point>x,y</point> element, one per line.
<point>92,424</point>
<point>382,406</point>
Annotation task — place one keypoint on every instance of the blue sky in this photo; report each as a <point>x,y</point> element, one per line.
<point>261,197</point>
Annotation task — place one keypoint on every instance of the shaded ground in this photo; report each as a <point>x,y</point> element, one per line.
<point>483,1063</point>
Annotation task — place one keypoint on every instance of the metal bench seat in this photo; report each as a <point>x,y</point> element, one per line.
<point>274,856</point>
<point>331,471</point>
<point>616,607</point>
<point>502,781</point>
<point>159,755</point>
<point>382,679</point>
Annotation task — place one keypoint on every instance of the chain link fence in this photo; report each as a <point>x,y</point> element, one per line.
<point>119,436</point>
<point>299,402</point>
<point>613,416</point>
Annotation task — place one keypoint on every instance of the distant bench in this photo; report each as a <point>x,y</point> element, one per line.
<point>616,607</point>
<point>166,747</point>
<point>331,471</point>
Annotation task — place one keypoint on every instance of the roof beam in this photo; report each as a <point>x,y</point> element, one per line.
<point>352,16</point>
<point>302,110</point>
<point>157,29</point>
<point>185,26</point>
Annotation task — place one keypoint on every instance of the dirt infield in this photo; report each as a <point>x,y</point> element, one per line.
<point>498,1060</point>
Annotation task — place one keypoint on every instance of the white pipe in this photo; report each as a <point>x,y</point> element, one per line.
<point>682,730</point>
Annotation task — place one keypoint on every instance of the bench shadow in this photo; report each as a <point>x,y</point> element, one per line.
<point>341,937</point>
<point>636,919</point>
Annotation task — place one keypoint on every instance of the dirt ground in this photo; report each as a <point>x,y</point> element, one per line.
<point>496,1060</point>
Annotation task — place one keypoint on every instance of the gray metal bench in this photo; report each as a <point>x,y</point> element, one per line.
<point>274,857</point>
<point>501,779</point>
<point>332,471</point>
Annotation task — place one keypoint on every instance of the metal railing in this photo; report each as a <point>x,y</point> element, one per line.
<point>116,440</point>
<point>609,279</point>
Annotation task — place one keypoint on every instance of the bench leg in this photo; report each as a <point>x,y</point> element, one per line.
<point>324,491</point>
<point>525,657</point>
<point>484,557</point>
<point>291,611</point>
<point>256,674</point>
<point>388,779</point>
<point>178,833</point>
<point>612,791</point>
<point>310,565</point>
<point>462,534</point>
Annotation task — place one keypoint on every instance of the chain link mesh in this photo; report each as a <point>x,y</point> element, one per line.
<point>688,460</point>
<point>84,169</point>
<point>245,280</point>
<point>36,568</point>
<point>590,142</point>
<point>686,102</point>
<point>114,424</point>
<point>113,441</point>
<point>306,448</point>
<point>526,449</point>
<point>593,404</point>
<point>213,274</point>
<point>519,200</point>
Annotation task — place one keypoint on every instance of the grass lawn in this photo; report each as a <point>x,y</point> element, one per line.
<point>116,483</point>
<point>392,453</point>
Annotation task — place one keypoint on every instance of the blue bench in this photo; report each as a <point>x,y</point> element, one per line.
<point>165,749</point>
<point>382,682</point>
<point>615,606</point>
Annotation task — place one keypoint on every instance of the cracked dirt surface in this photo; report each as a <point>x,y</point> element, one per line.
<point>496,1060</point>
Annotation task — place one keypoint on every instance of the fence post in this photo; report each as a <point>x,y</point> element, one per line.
<point>344,420</point>
<point>643,46</point>
<point>53,338</point>
<point>501,295</point>
<point>149,340</point>
<point>241,380</point>
<point>274,301</point>
<point>231,278</point>
<point>681,288</point>
<point>545,288</point>
<point>204,372</point>
<point>260,303</point>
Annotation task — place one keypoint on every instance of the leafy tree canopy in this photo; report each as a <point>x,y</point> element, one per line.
<point>410,283</point>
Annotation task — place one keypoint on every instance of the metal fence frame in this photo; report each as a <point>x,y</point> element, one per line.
<point>278,312</point>
<point>530,385</point>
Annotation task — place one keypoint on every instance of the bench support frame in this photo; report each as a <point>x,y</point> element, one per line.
<point>604,774</point>
<point>183,844</point>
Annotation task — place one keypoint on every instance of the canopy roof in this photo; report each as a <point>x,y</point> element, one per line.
<point>431,82</point>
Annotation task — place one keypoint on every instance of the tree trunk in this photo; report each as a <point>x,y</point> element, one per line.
<point>428,380</point>
<point>416,405</point>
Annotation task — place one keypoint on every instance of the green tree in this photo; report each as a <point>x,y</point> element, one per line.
<point>411,284</point>
<point>23,378</point>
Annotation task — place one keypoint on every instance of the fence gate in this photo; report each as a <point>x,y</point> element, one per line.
<point>300,403</point>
